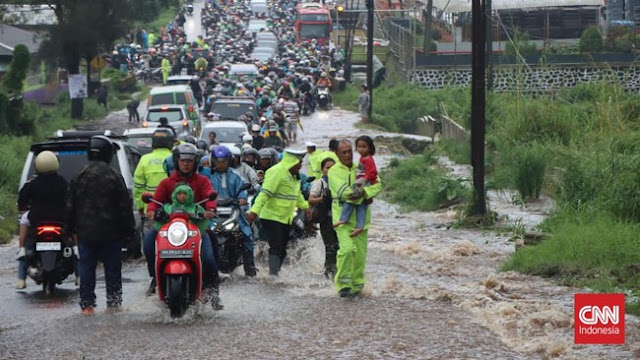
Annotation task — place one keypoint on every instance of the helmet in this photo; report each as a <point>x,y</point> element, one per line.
<point>247,138</point>
<point>46,162</point>
<point>265,154</point>
<point>202,144</point>
<point>162,138</point>
<point>100,148</point>
<point>235,151</point>
<point>191,140</point>
<point>255,127</point>
<point>221,152</point>
<point>185,151</point>
<point>250,151</point>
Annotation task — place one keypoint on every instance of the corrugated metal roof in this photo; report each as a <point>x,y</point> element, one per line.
<point>454,6</point>
<point>11,36</point>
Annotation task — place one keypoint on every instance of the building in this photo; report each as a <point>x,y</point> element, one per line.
<point>10,37</point>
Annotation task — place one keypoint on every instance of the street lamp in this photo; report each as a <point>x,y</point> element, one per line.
<point>339,9</point>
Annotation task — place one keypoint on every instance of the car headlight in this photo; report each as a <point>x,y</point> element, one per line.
<point>145,124</point>
<point>177,234</point>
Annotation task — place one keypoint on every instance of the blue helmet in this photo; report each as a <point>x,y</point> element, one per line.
<point>221,152</point>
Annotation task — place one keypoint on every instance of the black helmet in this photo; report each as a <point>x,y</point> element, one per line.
<point>202,145</point>
<point>250,151</point>
<point>100,148</point>
<point>162,138</point>
<point>191,140</point>
<point>185,151</point>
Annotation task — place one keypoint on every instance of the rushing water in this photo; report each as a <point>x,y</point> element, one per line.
<point>432,292</point>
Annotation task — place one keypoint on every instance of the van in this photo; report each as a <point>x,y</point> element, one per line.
<point>175,95</point>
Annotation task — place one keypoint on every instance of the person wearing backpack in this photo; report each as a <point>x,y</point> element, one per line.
<point>320,201</point>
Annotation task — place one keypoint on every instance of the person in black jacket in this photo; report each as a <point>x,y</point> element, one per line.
<point>43,199</point>
<point>100,219</point>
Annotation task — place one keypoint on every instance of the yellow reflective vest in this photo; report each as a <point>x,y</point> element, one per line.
<point>149,173</point>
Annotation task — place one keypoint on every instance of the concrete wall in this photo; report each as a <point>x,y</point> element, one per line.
<point>444,126</point>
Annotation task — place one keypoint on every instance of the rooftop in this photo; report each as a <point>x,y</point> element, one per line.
<point>456,6</point>
<point>11,36</point>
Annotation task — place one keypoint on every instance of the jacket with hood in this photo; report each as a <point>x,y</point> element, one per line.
<point>188,206</point>
<point>315,162</point>
<point>341,178</point>
<point>280,194</point>
<point>200,185</point>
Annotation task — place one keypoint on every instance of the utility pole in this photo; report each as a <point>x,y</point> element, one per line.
<point>478,16</point>
<point>370,11</point>
<point>488,18</point>
<point>426,46</point>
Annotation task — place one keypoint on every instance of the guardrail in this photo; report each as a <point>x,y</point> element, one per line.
<point>447,128</point>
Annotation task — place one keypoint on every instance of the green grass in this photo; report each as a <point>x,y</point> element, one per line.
<point>346,99</point>
<point>417,183</point>
<point>164,17</point>
<point>591,250</point>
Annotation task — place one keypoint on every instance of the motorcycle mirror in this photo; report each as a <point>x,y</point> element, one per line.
<point>146,198</point>
<point>311,179</point>
<point>212,196</point>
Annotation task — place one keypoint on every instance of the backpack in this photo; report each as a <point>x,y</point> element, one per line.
<point>320,211</point>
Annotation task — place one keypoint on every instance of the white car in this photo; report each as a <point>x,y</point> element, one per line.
<point>140,138</point>
<point>256,25</point>
<point>228,133</point>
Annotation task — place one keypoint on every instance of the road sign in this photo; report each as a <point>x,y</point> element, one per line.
<point>98,63</point>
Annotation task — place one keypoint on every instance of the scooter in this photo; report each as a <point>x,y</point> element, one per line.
<point>323,98</point>
<point>49,255</point>
<point>226,227</point>
<point>190,9</point>
<point>178,260</point>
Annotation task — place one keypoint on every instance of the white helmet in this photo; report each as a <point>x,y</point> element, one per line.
<point>235,151</point>
<point>46,162</point>
<point>247,139</point>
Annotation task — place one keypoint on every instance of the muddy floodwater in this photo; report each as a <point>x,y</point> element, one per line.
<point>432,293</point>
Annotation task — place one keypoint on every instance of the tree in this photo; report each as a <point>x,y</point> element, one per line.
<point>591,40</point>
<point>12,118</point>
<point>84,28</point>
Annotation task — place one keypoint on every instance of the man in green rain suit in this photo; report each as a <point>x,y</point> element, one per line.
<point>352,254</point>
<point>166,68</point>
<point>276,203</point>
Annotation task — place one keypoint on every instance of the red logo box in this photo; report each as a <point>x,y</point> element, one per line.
<point>599,318</point>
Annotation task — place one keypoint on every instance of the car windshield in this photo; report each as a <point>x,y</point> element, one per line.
<point>140,141</point>
<point>254,26</point>
<point>312,31</point>
<point>232,110</point>
<point>72,160</point>
<point>171,115</point>
<point>225,134</point>
<point>161,99</point>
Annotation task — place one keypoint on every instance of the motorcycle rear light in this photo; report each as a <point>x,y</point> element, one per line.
<point>162,234</point>
<point>42,230</point>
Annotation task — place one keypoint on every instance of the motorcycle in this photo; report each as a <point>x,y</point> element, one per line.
<point>190,9</point>
<point>226,228</point>
<point>322,98</point>
<point>178,261</point>
<point>305,107</point>
<point>49,255</point>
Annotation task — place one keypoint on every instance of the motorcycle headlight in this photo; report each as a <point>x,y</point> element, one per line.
<point>229,226</point>
<point>177,234</point>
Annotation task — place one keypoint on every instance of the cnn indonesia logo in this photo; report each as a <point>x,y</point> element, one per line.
<point>599,318</point>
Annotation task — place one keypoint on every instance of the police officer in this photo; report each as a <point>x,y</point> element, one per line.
<point>276,203</point>
<point>150,170</point>
<point>99,219</point>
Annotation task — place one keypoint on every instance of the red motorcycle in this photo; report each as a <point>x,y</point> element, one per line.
<point>178,260</point>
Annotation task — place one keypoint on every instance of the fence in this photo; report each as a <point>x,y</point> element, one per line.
<point>401,43</point>
<point>448,129</point>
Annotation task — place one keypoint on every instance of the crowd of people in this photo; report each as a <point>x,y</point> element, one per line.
<point>337,200</point>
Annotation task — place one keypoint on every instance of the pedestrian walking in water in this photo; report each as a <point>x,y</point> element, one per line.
<point>100,220</point>
<point>132,108</point>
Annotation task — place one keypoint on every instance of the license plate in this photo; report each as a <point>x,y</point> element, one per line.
<point>176,254</point>
<point>48,246</point>
<point>224,211</point>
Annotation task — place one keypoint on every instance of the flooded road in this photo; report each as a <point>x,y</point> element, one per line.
<point>432,293</point>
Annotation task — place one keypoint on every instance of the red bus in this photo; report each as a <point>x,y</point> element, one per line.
<point>313,21</point>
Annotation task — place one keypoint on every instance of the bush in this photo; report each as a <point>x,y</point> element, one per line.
<point>591,40</point>
<point>418,184</point>
<point>530,164</point>
<point>593,250</point>
<point>521,43</point>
